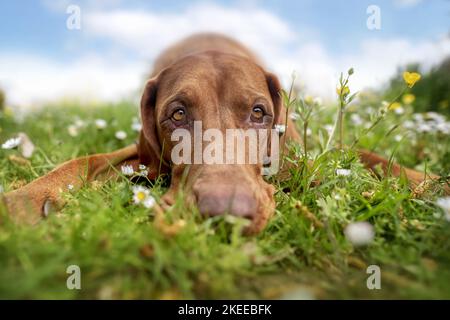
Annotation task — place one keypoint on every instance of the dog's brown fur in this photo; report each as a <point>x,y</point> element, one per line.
<point>218,80</point>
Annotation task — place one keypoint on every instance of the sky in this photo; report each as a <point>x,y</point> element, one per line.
<point>110,55</point>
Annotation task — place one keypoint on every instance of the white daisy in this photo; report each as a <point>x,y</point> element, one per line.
<point>136,126</point>
<point>143,173</point>
<point>12,143</point>
<point>26,145</point>
<point>343,172</point>
<point>280,128</point>
<point>357,120</point>
<point>424,127</point>
<point>329,128</point>
<point>72,130</point>
<point>418,117</point>
<point>141,195</point>
<point>444,204</point>
<point>408,124</point>
<point>127,170</point>
<point>359,233</point>
<point>294,116</point>
<point>101,123</point>
<point>400,110</point>
<point>121,135</point>
<point>317,101</point>
<point>79,123</point>
<point>443,127</point>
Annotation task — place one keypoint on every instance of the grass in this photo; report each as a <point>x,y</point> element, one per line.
<point>123,254</point>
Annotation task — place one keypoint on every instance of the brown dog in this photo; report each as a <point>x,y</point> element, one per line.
<point>205,77</point>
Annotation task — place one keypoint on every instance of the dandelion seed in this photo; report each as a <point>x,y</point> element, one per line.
<point>70,186</point>
<point>411,78</point>
<point>444,204</point>
<point>101,123</point>
<point>121,135</point>
<point>127,170</point>
<point>280,128</point>
<point>398,138</point>
<point>308,132</point>
<point>359,233</point>
<point>12,143</point>
<point>141,195</point>
<point>72,130</point>
<point>343,172</point>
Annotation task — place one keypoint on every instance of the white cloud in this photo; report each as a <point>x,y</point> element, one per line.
<point>145,33</point>
<point>148,32</point>
<point>32,79</point>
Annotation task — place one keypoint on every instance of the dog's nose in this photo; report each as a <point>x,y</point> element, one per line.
<point>239,203</point>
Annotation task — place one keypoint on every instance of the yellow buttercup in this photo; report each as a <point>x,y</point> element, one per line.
<point>343,91</point>
<point>408,98</point>
<point>411,78</point>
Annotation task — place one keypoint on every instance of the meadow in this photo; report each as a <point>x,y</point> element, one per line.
<point>311,248</point>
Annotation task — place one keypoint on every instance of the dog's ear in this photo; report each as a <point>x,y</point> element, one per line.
<point>275,92</point>
<point>149,147</point>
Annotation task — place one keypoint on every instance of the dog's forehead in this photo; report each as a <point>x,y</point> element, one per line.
<point>213,71</point>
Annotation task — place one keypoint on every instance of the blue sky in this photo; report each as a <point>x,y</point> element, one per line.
<point>119,39</point>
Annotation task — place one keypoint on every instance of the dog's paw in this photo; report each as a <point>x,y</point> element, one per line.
<point>27,205</point>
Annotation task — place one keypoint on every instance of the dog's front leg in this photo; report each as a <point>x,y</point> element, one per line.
<point>33,201</point>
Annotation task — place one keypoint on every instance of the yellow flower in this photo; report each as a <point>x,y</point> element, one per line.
<point>9,112</point>
<point>342,91</point>
<point>309,100</point>
<point>394,106</point>
<point>411,78</point>
<point>408,98</point>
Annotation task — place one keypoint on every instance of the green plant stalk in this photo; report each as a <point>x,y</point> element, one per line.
<point>305,130</point>
<point>378,120</point>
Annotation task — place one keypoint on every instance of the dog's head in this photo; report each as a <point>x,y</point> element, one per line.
<point>223,91</point>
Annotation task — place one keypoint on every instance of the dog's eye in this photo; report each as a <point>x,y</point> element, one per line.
<point>178,115</point>
<point>257,113</point>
